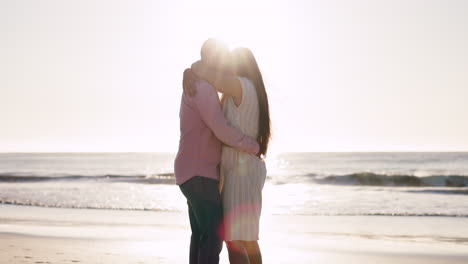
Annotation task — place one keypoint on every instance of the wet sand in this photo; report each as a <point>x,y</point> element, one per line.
<point>57,235</point>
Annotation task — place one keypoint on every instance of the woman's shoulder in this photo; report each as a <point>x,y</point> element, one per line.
<point>249,93</point>
<point>245,82</point>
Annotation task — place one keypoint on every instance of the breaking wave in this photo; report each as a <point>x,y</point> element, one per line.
<point>161,178</point>
<point>374,179</point>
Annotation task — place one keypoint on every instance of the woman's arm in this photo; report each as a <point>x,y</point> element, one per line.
<point>188,83</point>
<point>224,82</point>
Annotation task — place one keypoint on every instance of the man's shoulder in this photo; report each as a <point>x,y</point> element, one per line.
<point>201,87</point>
<point>204,90</point>
<point>204,86</point>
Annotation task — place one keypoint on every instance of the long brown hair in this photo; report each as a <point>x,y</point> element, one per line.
<point>246,66</point>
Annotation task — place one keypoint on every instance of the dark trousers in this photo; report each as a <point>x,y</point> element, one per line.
<point>205,212</point>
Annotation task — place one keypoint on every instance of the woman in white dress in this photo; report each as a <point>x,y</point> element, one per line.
<point>245,105</point>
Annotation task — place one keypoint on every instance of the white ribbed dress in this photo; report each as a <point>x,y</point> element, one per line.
<point>243,174</point>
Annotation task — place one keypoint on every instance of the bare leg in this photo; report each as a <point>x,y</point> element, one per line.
<point>253,252</point>
<point>237,252</point>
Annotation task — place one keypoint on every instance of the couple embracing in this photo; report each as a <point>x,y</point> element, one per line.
<point>219,166</point>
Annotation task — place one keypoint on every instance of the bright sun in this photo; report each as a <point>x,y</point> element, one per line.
<point>230,34</point>
<point>234,24</point>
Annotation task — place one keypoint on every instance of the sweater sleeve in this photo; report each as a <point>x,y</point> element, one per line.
<point>207,102</point>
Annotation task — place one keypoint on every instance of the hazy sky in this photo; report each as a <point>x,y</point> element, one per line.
<point>341,75</point>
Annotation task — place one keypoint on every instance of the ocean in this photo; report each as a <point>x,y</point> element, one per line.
<point>387,183</point>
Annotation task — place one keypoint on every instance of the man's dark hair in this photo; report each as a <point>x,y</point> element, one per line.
<point>210,47</point>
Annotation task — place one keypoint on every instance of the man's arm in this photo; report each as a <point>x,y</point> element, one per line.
<point>207,102</point>
<point>224,82</point>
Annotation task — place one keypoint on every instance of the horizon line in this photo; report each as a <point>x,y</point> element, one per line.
<point>282,152</point>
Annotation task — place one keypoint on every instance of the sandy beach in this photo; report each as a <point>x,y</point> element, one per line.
<point>58,235</point>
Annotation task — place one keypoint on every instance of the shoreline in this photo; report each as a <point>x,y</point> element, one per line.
<point>56,235</point>
<point>273,214</point>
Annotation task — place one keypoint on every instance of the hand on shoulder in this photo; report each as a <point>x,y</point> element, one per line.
<point>189,83</point>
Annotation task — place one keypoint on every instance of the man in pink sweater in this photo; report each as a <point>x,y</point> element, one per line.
<point>203,129</point>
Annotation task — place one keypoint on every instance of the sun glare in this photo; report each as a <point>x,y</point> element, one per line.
<point>233,24</point>
<point>232,37</point>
